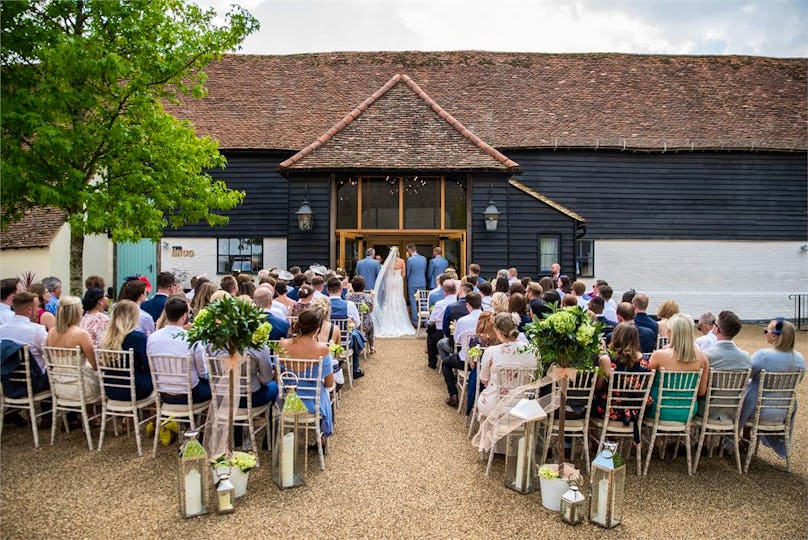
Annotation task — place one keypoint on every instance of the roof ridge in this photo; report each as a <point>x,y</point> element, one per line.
<point>546,200</point>
<point>418,91</point>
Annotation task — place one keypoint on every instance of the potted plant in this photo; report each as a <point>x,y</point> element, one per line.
<point>566,340</point>
<point>229,325</point>
<point>239,465</point>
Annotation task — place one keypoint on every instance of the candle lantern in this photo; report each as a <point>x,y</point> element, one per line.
<point>573,505</point>
<point>289,454</point>
<point>193,476</point>
<point>521,446</point>
<point>607,481</point>
<point>225,492</point>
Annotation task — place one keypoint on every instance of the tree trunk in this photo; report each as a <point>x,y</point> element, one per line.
<point>562,406</point>
<point>76,263</point>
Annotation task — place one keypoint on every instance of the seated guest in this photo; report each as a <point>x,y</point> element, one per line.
<point>502,285</point>
<point>95,282</point>
<point>596,312</point>
<point>134,290</point>
<point>229,284</point>
<point>605,291</point>
<point>499,302</point>
<point>318,284</point>
<point>547,284</point>
<point>171,340</point>
<point>485,337</point>
<point>665,311</point>
<point>342,309</point>
<point>43,317</point>
<point>475,270</point>
<point>359,297</point>
<point>246,288</point>
<point>196,286</point>
<point>680,355</point>
<point>641,318</point>
<point>625,313</point>
<point>436,293</point>
<point>305,295</point>
<point>516,288</point>
<point>66,333</point>
<point>485,291</point>
<point>628,296</point>
<point>779,357</point>
<point>280,326</point>
<point>54,286</point>
<point>298,281</point>
<point>507,353</point>
<point>21,330</point>
<point>518,306</point>
<point>623,355</point>
<point>579,290</point>
<point>281,296</point>
<point>124,334</point>
<point>8,288</point>
<point>513,275</point>
<point>564,286</point>
<point>166,282</point>
<point>707,337</point>
<point>95,320</point>
<point>551,298</point>
<point>534,301</point>
<point>434,331</point>
<point>569,300</point>
<point>304,344</point>
<point>725,355</point>
<point>464,330</point>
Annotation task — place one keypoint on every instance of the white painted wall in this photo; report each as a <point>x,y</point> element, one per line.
<point>203,260</point>
<point>753,279</point>
<point>55,260</point>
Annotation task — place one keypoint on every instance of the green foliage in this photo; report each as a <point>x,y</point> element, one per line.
<point>567,337</point>
<point>231,325</point>
<point>83,124</point>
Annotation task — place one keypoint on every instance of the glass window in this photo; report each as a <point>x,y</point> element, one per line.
<point>240,255</point>
<point>421,203</point>
<point>347,203</point>
<point>380,203</point>
<point>455,200</point>
<point>585,258</point>
<point>549,252</point>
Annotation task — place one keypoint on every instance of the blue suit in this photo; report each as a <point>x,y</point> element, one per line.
<point>154,307</point>
<point>369,269</point>
<point>280,327</point>
<point>416,279</point>
<point>437,266</point>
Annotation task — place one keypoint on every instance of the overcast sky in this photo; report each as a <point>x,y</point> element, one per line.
<point>754,27</point>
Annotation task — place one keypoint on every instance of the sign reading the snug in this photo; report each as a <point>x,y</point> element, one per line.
<point>177,251</point>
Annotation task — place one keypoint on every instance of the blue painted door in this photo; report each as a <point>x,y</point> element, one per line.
<point>135,258</point>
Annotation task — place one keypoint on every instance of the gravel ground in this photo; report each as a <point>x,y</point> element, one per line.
<point>399,465</point>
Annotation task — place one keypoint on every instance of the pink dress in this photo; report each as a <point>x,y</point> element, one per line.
<point>96,324</point>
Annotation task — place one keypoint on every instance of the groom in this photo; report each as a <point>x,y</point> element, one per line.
<point>416,278</point>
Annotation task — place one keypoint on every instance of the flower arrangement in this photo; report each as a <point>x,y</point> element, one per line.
<point>364,308</point>
<point>566,337</point>
<point>475,352</point>
<point>243,460</point>
<point>549,471</point>
<point>230,324</point>
<point>336,349</point>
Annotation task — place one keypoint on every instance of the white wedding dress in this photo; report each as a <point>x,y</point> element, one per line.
<point>391,318</point>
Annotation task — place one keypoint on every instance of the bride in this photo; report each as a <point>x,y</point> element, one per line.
<point>391,317</point>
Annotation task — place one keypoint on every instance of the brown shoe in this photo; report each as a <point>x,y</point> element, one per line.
<point>452,401</point>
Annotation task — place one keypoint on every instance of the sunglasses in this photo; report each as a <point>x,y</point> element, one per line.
<point>767,331</point>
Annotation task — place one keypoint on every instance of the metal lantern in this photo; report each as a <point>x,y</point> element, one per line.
<point>607,482</point>
<point>193,476</point>
<point>225,492</point>
<point>520,469</point>
<point>304,214</point>
<point>491,213</point>
<point>573,505</point>
<point>289,455</point>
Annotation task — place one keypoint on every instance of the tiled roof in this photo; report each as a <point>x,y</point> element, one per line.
<point>518,100</point>
<point>399,127</point>
<point>546,200</point>
<point>35,229</point>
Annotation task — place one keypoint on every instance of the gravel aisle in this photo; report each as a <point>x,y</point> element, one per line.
<point>399,465</point>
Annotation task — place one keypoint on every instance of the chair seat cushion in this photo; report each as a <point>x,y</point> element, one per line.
<point>24,400</point>
<point>666,425</point>
<point>122,406</point>
<point>182,408</point>
<point>576,425</point>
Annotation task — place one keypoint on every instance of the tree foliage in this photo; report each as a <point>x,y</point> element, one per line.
<point>83,124</point>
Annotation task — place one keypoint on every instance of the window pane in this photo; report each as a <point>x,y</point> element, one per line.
<point>455,211</point>
<point>380,203</point>
<point>452,253</point>
<point>548,252</point>
<point>347,201</point>
<point>585,258</point>
<point>421,203</point>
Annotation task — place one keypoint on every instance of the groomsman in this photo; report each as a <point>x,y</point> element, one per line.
<point>416,277</point>
<point>369,269</point>
<point>437,265</point>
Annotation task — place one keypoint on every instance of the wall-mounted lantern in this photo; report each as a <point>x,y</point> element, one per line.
<point>491,213</point>
<point>305,217</point>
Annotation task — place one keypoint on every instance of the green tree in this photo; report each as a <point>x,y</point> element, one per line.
<point>83,124</point>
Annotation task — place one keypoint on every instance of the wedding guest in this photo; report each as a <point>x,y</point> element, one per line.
<point>162,320</point>
<point>641,318</point>
<point>680,355</point>
<point>43,317</point>
<point>779,357</point>
<point>280,326</point>
<point>485,291</point>
<point>246,288</point>
<point>507,353</point>
<point>499,302</point>
<point>502,285</point>
<point>54,286</point>
<point>564,286</point>
<point>281,296</point>
<point>547,284</point>
<point>518,306</point>
<point>202,297</point>
<point>579,290</point>
<point>229,284</point>
<point>66,333</point>
<point>123,334</point>
<point>95,282</point>
<point>95,320</point>
<point>516,288</point>
<point>605,291</point>
<point>464,328</point>
<point>166,283</point>
<point>665,311</point>
<point>624,354</point>
<point>706,338</point>
<point>8,288</point>
<point>305,295</point>
<point>22,330</point>
<point>361,298</point>
<point>569,300</point>
<point>134,289</point>
<point>305,344</point>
